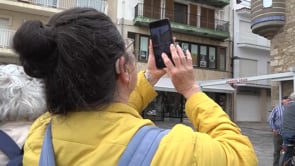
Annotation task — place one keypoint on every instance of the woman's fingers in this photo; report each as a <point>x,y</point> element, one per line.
<point>174,55</point>
<point>181,72</point>
<point>154,73</point>
<point>177,55</point>
<point>168,63</point>
<point>189,59</point>
<point>151,51</point>
<point>181,55</point>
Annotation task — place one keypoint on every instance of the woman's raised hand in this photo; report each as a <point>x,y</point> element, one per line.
<point>182,71</point>
<point>152,71</point>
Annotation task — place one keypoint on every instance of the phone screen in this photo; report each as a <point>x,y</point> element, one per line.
<point>161,36</point>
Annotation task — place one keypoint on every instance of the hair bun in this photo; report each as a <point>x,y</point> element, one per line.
<point>35,43</point>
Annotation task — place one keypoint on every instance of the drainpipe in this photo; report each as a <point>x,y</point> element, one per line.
<point>232,45</point>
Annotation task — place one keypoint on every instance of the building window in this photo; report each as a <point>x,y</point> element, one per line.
<point>152,9</point>
<point>50,3</point>
<point>169,9</point>
<point>5,21</point>
<point>203,56</point>
<point>6,33</point>
<point>221,58</point>
<point>195,54</point>
<point>180,13</point>
<point>143,48</point>
<point>184,46</point>
<point>212,57</point>
<point>267,3</point>
<point>207,18</point>
<point>248,67</point>
<point>193,15</point>
<point>132,36</point>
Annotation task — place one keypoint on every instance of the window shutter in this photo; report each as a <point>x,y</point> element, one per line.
<point>147,8</point>
<point>211,19</point>
<point>207,18</point>
<point>169,10</point>
<point>156,9</point>
<point>193,15</point>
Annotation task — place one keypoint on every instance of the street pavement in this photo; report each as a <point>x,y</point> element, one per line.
<point>259,134</point>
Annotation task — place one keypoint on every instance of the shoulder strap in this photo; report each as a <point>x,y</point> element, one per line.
<point>142,147</point>
<point>10,149</point>
<point>47,153</point>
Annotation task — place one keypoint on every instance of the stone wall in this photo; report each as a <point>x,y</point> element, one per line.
<point>283,52</point>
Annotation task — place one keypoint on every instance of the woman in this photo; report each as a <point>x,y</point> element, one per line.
<point>95,97</point>
<point>22,100</point>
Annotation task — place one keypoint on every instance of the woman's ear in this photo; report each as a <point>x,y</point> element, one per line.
<point>121,69</point>
<point>120,65</point>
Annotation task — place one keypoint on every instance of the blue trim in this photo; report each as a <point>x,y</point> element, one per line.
<point>269,18</point>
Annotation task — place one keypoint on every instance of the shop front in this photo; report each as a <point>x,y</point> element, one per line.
<point>170,104</point>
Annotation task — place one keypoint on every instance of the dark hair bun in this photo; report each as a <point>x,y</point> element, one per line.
<point>36,46</point>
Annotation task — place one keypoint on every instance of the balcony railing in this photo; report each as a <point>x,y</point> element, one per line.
<point>99,5</point>
<point>182,18</point>
<point>6,36</point>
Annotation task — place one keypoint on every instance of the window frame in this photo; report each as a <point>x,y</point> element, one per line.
<point>9,22</point>
<point>219,58</point>
<point>139,48</point>
<point>267,3</point>
<point>209,58</point>
<point>183,6</point>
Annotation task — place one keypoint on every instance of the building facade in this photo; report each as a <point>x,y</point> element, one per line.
<point>277,23</point>
<point>198,25</point>
<point>251,57</point>
<point>14,12</point>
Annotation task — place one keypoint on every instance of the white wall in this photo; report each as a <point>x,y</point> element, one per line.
<point>248,45</point>
<point>126,8</point>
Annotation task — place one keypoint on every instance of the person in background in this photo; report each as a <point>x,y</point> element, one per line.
<point>95,97</point>
<point>22,100</point>
<point>288,128</point>
<point>276,122</point>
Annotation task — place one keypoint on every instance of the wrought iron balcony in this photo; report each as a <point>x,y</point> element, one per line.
<point>183,22</point>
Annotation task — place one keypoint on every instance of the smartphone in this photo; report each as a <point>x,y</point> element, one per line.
<point>161,35</point>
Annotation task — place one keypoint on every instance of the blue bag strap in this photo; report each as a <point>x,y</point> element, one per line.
<point>18,161</point>
<point>142,147</point>
<point>47,153</point>
<point>10,149</point>
<point>8,146</point>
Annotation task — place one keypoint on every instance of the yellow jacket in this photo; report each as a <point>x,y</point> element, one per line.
<point>100,137</point>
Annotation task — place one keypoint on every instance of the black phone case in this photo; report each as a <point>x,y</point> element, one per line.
<point>161,36</point>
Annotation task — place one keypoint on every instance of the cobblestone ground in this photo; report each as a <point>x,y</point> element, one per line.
<point>261,138</point>
<point>259,134</point>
